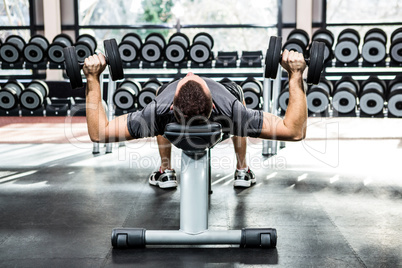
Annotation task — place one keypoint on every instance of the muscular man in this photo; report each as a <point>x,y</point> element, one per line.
<point>194,99</point>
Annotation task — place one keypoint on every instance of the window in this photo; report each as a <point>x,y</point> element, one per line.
<point>234,25</point>
<point>14,14</point>
<point>368,11</point>
<point>363,16</point>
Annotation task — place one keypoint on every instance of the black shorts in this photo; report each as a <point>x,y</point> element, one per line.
<point>235,89</point>
<point>231,86</point>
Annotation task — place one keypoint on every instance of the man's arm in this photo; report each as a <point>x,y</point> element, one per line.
<point>99,128</point>
<point>293,126</point>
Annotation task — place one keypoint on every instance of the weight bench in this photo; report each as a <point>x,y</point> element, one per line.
<point>195,142</point>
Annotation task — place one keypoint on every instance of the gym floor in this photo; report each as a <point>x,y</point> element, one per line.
<point>334,198</point>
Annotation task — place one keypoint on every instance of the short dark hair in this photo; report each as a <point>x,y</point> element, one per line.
<point>192,103</point>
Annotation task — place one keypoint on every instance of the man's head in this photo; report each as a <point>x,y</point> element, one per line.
<point>192,100</point>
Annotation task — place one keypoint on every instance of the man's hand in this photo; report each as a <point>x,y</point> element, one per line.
<point>93,66</point>
<point>293,62</point>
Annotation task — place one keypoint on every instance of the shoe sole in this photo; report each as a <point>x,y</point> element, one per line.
<point>165,184</point>
<point>243,183</point>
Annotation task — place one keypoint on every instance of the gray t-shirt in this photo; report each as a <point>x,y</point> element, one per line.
<point>234,117</point>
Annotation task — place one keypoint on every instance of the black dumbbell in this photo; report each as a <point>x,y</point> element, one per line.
<point>316,61</point>
<point>372,96</point>
<point>153,47</point>
<point>251,58</point>
<point>9,94</point>
<point>148,92</point>
<point>34,95</point>
<point>126,94</point>
<point>347,47</point>
<point>55,50</point>
<point>201,49</point>
<point>374,47</point>
<point>35,50</point>
<point>11,50</point>
<point>283,98</point>
<point>318,96</point>
<point>345,95</point>
<point>129,47</point>
<point>252,90</point>
<point>297,40</point>
<point>395,50</point>
<point>176,50</point>
<point>73,67</point>
<point>327,37</point>
<point>85,46</point>
<point>395,97</point>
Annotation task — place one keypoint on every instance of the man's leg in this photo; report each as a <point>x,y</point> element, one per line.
<point>165,150</point>
<point>243,177</point>
<point>240,147</point>
<point>165,177</point>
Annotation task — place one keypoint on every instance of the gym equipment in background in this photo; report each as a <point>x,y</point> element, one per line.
<point>200,51</point>
<point>55,51</point>
<point>125,96</point>
<point>10,94</point>
<point>347,47</point>
<point>148,92</point>
<point>252,89</point>
<point>374,48</point>
<point>318,97</point>
<point>153,47</point>
<point>344,99</point>
<point>34,95</point>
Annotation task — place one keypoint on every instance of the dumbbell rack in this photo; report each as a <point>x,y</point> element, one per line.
<point>360,71</point>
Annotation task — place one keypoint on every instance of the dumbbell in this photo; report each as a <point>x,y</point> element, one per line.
<point>201,49</point>
<point>34,95</point>
<point>252,89</point>
<point>347,47</point>
<point>129,47</point>
<point>274,56</point>
<point>283,98</point>
<point>11,50</point>
<point>85,46</point>
<point>327,37</point>
<point>374,47</point>
<point>55,50</point>
<point>297,40</point>
<point>126,94</point>
<point>152,49</point>
<point>395,51</point>
<point>345,94</point>
<point>395,97</point>
<point>176,50</point>
<point>73,67</point>
<point>35,50</point>
<point>318,96</point>
<point>372,95</point>
<point>9,94</point>
<point>148,92</point>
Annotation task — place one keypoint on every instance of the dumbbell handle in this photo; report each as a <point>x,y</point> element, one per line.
<point>306,60</point>
<point>81,64</point>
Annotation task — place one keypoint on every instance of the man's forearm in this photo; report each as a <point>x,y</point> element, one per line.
<point>296,113</point>
<point>95,113</point>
